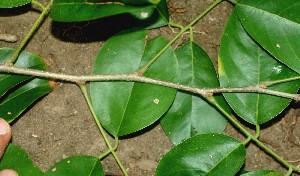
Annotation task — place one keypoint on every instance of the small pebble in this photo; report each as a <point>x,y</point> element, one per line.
<point>8,38</point>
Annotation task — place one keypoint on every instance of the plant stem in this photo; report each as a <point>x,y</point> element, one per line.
<point>213,101</point>
<point>102,131</point>
<point>38,4</point>
<point>257,131</point>
<point>253,138</point>
<point>209,8</point>
<point>245,142</point>
<point>104,154</point>
<point>191,34</point>
<point>144,68</point>
<point>132,77</point>
<point>176,25</point>
<point>33,29</point>
<point>290,171</point>
<point>270,83</point>
<point>274,155</point>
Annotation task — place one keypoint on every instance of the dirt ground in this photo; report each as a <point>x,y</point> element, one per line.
<point>60,125</point>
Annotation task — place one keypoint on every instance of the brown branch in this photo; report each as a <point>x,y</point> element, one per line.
<point>134,77</point>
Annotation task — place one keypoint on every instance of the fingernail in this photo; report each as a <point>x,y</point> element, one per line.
<point>4,127</point>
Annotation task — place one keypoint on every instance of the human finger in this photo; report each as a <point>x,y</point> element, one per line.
<point>8,172</point>
<point>5,135</point>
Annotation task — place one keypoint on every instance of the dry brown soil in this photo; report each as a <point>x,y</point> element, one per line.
<point>60,125</point>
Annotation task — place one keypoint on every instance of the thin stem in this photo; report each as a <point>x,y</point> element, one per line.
<point>144,68</point>
<point>245,142</point>
<point>290,171</point>
<point>38,4</point>
<point>175,25</point>
<point>249,135</point>
<point>213,101</point>
<point>270,83</point>
<point>102,131</point>
<point>274,155</point>
<point>209,8</point>
<point>104,154</point>
<point>257,131</point>
<point>191,34</point>
<point>34,28</point>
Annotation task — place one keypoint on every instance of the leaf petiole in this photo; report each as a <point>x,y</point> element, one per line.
<point>253,138</point>
<point>144,68</point>
<point>29,35</point>
<point>102,131</point>
<point>104,154</point>
<point>38,4</point>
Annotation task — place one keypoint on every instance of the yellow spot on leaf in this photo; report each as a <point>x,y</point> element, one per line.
<point>156,101</point>
<point>221,69</point>
<point>144,14</point>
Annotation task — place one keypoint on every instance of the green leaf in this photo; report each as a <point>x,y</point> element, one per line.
<point>242,62</point>
<point>189,114</point>
<point>78,165</point>
<point>19,100</point>
<point>125,107</point>
<point>13,3</point>
<point>275,25</point>
<point>26,60</point>
<point>263,173</point>
<point>15,158</point>
<point>206,154</point>
<point>152,13</point>
<point>141,2</point>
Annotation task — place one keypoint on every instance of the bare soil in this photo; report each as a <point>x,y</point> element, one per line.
<point>60,125</point>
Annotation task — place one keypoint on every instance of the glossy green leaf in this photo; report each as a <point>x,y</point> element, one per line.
<point>153,12</point>
<point>15,158</point>
<point>19,100</point>
<point>189,114</point>
<point>140,2</point>
<point>242,62</point>
<point>125,107</point>
<point>26,60</point>
<point>78,165</point>
<point>263,173</point>
<point>13,3</point>
<point>275,25</point>
<point>203,155</point>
